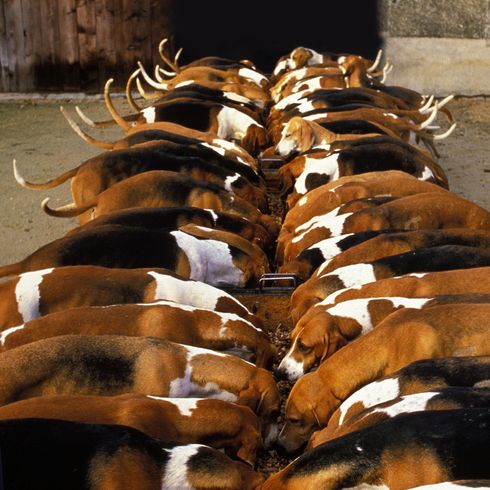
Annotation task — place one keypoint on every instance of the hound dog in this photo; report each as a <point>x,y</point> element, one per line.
<point>98,456</point>
<point>104,170</point>
<point>216,257</point>
<point>326,328</point>
<point>403,452</point>
<point>418,377</point>
<point>109,365</point>
<point>161,188</point>
<point>419,211</point>
<point>171,219</point>
<point>45,291</point>
<point>442,399</point>
<point>199,327</point>
<point>173,421</point>
<point>403,337</point>
<point>421,260</point>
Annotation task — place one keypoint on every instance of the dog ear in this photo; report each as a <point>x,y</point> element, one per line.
<point>301,57</point>
<point>333,341</point>
<point>307,136</point>
<point>255,139</point>
<point>326,346</point>
<point>262,398</point>
<point>316,417</point>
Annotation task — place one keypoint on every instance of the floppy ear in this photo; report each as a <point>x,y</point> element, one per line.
<point>255,139</point>
<point>332,342</point>
<point>307,136</point>
<point>301,57</point>
<point>316,417</point>
<point>262,398</point>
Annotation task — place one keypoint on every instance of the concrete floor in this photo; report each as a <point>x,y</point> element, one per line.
<point>37,135</point>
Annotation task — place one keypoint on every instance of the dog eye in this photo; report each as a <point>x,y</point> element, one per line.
<point>295,421</point>
<point>303,348</point>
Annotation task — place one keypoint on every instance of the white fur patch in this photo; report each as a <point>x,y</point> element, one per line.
<point>210,260</point>
<point>185,405</point>
<point>213,214</point>
<point>407,404</point>
<point>8,331</point>
<point>233,123</point>
<point>149,114</point>
<point>372,394</point>
<point>236,97</point>
<point>427,174</point>
<point>312,84</point>
<point>192,293</point>
<point>185,387</point>
<point>305,106</point>
<point>290,366</point>
<point>314,219</point>
<point>217,149</point>
<point>324,166</point>
<point>316,117</point>
<point>418,275</point>
<point>357,309</point>
<point>329,249</point>
<point>175,476</point>
<point>280,66</point>
<point>27,293</point>
<point>184,83</point>
<point>447,485</point>
<point>230,180</point>
<point>250,74</point>
<point>290,99</point>
<point>329,221</point>
<point>354,275</point>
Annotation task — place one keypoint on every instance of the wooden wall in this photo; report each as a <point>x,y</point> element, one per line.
<point>76,45</point>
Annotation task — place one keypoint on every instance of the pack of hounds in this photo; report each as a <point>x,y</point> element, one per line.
<point>125,365</point>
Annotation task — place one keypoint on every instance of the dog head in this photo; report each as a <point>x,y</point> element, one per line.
<point>296,137</point>
<point>307,409</point>
<point>313,341</point>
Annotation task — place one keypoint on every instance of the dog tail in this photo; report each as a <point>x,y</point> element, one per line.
<point>43,185</point>
<point>12,269</point>
<point>99,143</point>
<point>68,211</point>
<point>121,121</point>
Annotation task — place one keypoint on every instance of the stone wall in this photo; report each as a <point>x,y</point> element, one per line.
<point>438,46</point>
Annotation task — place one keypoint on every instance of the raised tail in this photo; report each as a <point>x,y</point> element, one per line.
<point>92,123</point>
<point>43,185</point>
<point>121,121</point>
<point>11,269</point>
<point>106,145</point>
<point>68,211</point>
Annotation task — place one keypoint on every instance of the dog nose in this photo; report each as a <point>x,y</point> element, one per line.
<point>284,451</point>
<point>281,374</point>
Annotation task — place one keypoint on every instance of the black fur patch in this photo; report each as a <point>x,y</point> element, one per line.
<point>448,371</point>
<point>313,256</point>
<point>314,180</point>
<point>444,257</point>
<point>354,126</point>
<point>458,437</point>
<point>56,455</point>
<point>363,236</point>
